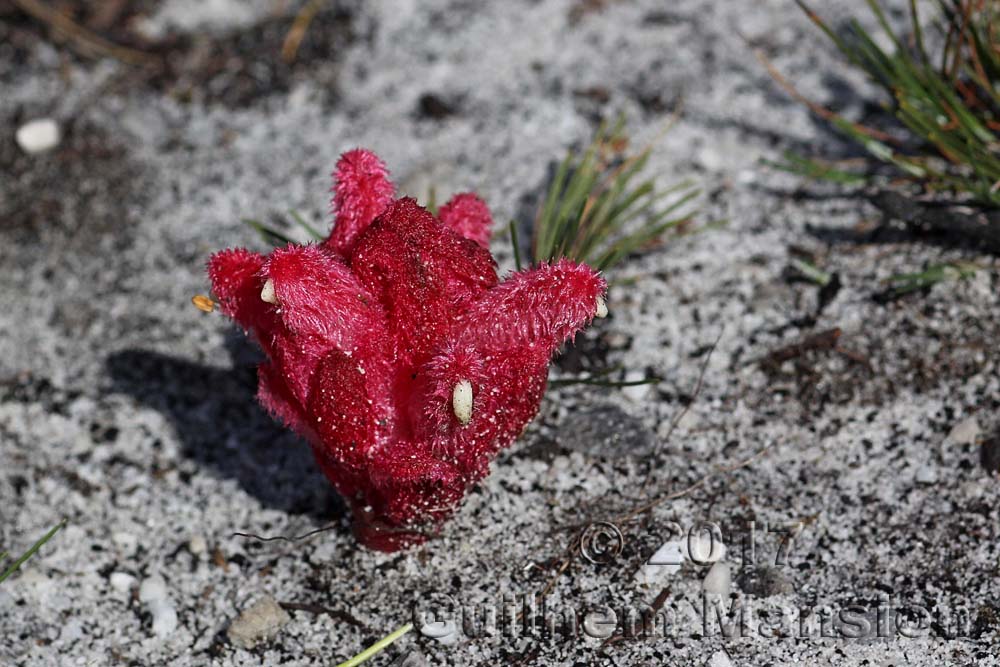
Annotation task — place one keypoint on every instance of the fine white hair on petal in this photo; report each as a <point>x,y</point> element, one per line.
<point>461,401</point>
<point>267,293</point>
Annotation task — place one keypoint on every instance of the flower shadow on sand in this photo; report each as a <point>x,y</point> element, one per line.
<point>223,429</point>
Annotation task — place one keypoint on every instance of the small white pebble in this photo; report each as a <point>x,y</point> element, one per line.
<point>72,631</point>
<point>443,631</point>
<point>262,620</point>
<point>718,580</point>
<point>36,584</point>
<point>127,542</point>
<point>720,659</point>
<point>965,432</point>
<point>164,618</point>
<point>38,136</point>
<point>197,545</point>
<point>152,589</point>
<point>637,392</point>
<point>153,593</point>
<point>122,581</point>
<point>926,475</point>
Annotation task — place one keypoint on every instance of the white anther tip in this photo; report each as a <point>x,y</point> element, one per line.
<point>461,401</point>
<point>602,307</point>
<point>267,293</point>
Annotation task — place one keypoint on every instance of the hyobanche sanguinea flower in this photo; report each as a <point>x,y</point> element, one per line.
<point>393,348</point>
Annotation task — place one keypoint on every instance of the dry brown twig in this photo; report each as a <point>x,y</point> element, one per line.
<point>574,548</point>
<point>300,26</point>
<point>87,42</point>
<point>818,109</point>
<point>680,415</point>
<point>652,504</point>
<point>318,609</point>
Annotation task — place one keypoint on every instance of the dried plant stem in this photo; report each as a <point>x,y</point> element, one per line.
<point>300,26</point>
<point>658,500</point>
<point>87,40</point>
<point>815,107</point>
<point>680,415</point>
<point>950,112</point>
<point>571,551</point>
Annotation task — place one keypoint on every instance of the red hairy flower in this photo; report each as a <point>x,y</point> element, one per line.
<point>395,351</point>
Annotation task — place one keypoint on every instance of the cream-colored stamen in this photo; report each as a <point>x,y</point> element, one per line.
<point>267,293</point>
<point>461,401</point>
<point>602,307</point>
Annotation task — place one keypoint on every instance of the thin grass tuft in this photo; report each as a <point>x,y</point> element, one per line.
<point>948,102</point>
<point>599,209</point>
<point>905,283</point>
<point>811,272</point>
<point>515,245</point>
<point>275,237</point>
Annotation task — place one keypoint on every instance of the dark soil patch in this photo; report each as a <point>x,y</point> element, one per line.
<point>75,200</point>
<point>890,356</point>
<point>234,69</point>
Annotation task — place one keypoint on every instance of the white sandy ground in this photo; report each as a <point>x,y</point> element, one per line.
<point>130,413</point>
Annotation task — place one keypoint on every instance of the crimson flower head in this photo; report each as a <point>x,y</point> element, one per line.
<point>395,351</point>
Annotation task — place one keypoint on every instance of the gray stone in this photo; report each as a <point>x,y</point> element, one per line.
<point>410,659</point>
<point>764,581</point>
<point>606,430</point>
<point>261,621</point>
<point>965,432</point>
<point>718,581</point>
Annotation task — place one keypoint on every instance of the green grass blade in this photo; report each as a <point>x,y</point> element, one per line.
<point>269,234</point>
<point>884,22</point>
<point>597,382</point>
<point>624,217</point>
<point>432,204</point>
<point>812,272</point>
<point>918,33</point>
<point>597,206</point>
<point>906,283</point>
<point>632,243</point>
<point>545,234</point>
<point>377,647</point>
<point>605,214</point>
<point>813,169</point>
<point>580,186</point>
<point>31,552</point>
<point>828,31</point>
<point>310,230</point>
<point>514,244</point>
<point>950,113</point>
